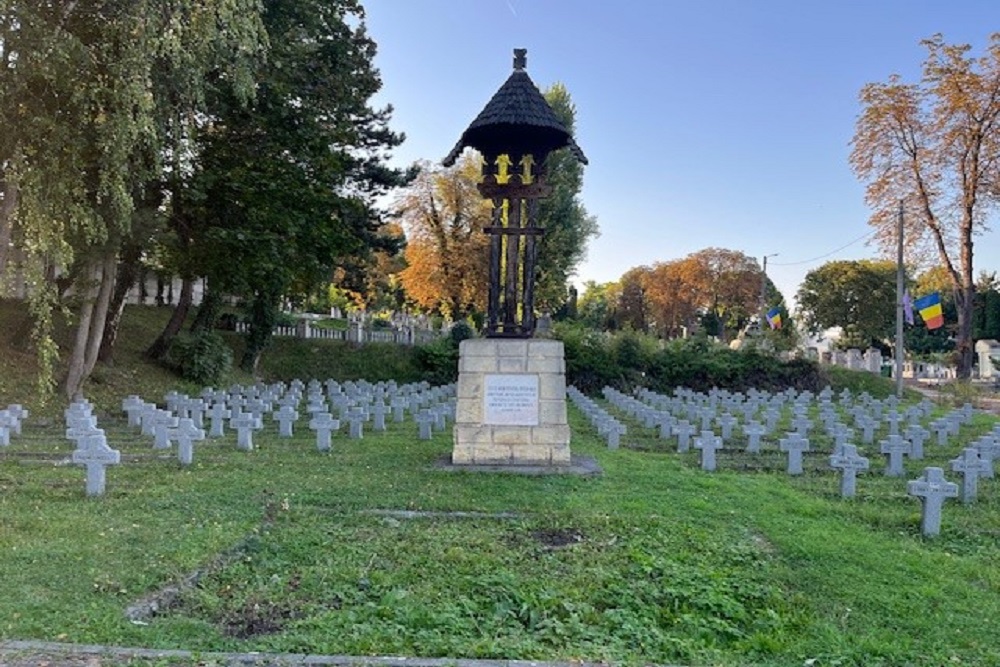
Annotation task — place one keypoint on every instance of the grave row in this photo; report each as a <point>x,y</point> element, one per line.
<point>246,410</point>
<point>725,412</point>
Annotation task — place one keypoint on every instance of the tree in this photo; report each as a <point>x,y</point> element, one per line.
<point>568,227</point>
<point>632,309</point>
<point>89,88</point>
<point>287,183</point>
<point>859,296</point>
<point>936,146</point>
<point>447,251</point>
<point>674,299</point>
<point>596,304</point>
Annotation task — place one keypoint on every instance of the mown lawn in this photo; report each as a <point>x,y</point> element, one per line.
<point>371,550</point>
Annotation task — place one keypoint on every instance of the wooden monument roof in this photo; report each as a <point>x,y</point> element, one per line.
<point>517,110</point>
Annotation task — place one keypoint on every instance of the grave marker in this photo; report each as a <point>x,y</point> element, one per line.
<point>96,456</point>
<point>972,468</point>
<point>932,489</point>
<point>794,444</point>
<point>849,462</point>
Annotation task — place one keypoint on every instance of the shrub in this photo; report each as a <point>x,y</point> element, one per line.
<point>438,361</point>
<point>461,331</point>
<point>203,358</point>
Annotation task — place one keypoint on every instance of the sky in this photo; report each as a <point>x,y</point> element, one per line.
<point>707,123</point>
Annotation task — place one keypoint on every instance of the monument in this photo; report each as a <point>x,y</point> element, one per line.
<point>511,407</point>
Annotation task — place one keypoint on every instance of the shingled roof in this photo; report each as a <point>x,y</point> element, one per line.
<point>517,113</point>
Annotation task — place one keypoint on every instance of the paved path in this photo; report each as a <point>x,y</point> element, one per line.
<point>52,654</point>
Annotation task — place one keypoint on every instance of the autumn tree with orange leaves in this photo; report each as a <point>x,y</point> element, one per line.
<point>447,252</point>
<point>935,145</point>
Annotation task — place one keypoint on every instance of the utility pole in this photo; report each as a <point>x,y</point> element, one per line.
<point>763,293</point>
<point>900,287</point>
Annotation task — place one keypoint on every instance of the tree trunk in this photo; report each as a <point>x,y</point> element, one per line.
<point>263,317</point>
<point>158,350</point>
<point>964,300</point>
<point>7,205</point>
<point>99,280</point>
<point>208,312</point>
<point>128,273</point>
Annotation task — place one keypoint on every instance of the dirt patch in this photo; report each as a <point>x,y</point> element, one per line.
<point>557,538</point>
<point>257,617</point>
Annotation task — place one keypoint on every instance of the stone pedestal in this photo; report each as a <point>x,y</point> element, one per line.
<point>511,407</point>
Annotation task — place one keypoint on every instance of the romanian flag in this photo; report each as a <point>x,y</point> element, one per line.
<point>774,318</point>
<point>930,310</point>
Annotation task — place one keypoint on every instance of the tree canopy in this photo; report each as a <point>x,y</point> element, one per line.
<point>859,296</point>
<point>93,95</point>
<point>935,145</point>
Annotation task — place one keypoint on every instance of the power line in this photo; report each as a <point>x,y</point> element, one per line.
<point>832,252</point>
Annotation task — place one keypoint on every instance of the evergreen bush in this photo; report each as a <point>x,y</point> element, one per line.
<point>203,358</point>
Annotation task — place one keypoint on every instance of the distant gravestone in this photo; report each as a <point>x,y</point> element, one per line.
<point>286,416</point>
<point>133,406</point>
<point>753,430</point>
<point>726,423</point>
<point>932,489</point>
<point>379,411</point>
<point>96,456</point>
<point>794,445</point>
<point>802,424</point>
<point>217,416</point>
<point>162,425</point>
<point>244,423</point>
<point>708,443</point>
<point>683,430</point>
<point>425,420</point>
<point>186,433</point>
<point>325,425</point>
<point>895,447</point>
<point>849,462</point>
<point>972,467</point>
<point>917,435</point>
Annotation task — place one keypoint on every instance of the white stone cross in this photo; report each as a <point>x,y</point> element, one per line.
<point>7,422</point>
<point>932,489</point>
<point>683,430</point>
<point>802,424</point>
<point>895,448</point>
<point>162,425</point>
<point>426,421</point>
<point>133,406</point>
<point>708,443</point>
<point>727,422</point>
<point>285,417</point>
<point>324,424</point>
<point>186,433</point>
<point>379,411</point>
<point>217,416</point>
<point>849,462</point>
<point>753,430</point>
<point>95,454</point>
<point>972,468</point>
<point>794,444</point>
<point>245,423</point>
<point>917,435</point>
<point>19,414</point>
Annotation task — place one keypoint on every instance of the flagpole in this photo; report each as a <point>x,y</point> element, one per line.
<point>899,303</point>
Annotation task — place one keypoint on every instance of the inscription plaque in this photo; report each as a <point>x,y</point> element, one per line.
<point>510,400</point>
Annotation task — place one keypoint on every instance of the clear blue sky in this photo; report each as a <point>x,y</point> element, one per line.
<point>720,123</point>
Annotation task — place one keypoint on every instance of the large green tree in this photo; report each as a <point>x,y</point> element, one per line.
<point>935,145</point>
<point>284,188</point>
<point>88,90</point>
<point>859,296</point>
<point>568,227</point>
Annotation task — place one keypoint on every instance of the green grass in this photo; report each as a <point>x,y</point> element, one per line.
<point>655,561</point>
